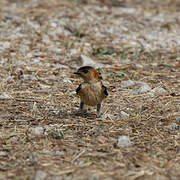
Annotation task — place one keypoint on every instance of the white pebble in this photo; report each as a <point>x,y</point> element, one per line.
<point>5,96</point>
<point>124,141</point>
<point>37,130</point>
<point>124,114</point>
<point>173,126</point>
<point>127,83</point>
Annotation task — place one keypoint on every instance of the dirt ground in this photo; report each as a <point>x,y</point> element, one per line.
<point>41,45</point>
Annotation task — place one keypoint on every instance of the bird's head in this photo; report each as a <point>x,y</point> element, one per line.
<point>88,74</point>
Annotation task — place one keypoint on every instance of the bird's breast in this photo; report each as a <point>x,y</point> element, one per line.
<point>91,93</point>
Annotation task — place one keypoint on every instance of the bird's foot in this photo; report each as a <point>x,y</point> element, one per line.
<point>99,115</point>
<point>81,112</point>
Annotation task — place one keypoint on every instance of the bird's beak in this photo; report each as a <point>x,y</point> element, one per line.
<point>78,73</point>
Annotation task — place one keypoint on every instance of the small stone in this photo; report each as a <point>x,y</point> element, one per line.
<point>35,60</point>
<point>60,66</point>
<point>125,61</point>
<point>74,52</point>
<point>140,83</point>
<point>6,45</point>
<point>173,126</point>
<point>55,50</point>
<point>52,152</point>
<point>37,130</point>
<point>40,175</point>
<point>13,139</point>
<point>5,96</point>
<point>53,24</point>
<point>67,81</point>
<point>59,153</point>
<point>143,89</point>
<point>29,55</point>
<point>28,76</point>
<point>139,66</point>
<point>5,115</point>
<point>86,61</point>
<point>2,177</point>
<point>124,114</point>
<point>124,141</point>
<point>12,16</point>
<point>177,119</point>
<point>128,83</point>
<point>2,153</point>
<point>46,39</point>
<point>108,116</point>
<point>159,91</point>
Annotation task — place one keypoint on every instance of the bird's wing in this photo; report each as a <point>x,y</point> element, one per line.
<point>78,89</point>
<point>104,89</point>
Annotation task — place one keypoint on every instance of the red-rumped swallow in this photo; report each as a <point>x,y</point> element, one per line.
<point>91,91</point>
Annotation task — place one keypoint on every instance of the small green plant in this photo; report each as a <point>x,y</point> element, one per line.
<point>58,134</point>
<point>101,127</point>
<point>103,51</point>
<point>123,54</point>
<point>168,65</point>
<point>46,30</point>
<point>122,72</point>
<point>79,34</point>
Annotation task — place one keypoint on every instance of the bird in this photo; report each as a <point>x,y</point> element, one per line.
<point>92,91</point>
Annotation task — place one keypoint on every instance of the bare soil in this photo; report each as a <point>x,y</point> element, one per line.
<point>41,135</point>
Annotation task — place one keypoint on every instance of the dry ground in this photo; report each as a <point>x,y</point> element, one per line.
<point>41,137</point>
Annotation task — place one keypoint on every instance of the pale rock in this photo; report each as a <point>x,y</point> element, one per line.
<point>143,89</point>
<point>133,43</point>
<point>158,91</point>
<point>127,83</point>
<point>53,152</point>
<point>3,153</point>
<point>12,16</point>
<point>124,141</point>
<point>108,116</point>
<point>37,131</point>
<point>43,86</point>
<point>177,119</point>
<point>151,36</point>
<point>173,126</point>
<point>67,81</point>
<point>29,55</point>
<point>35,60</point>
<point>139,66</point>
<point>20,63</point>
<point>53,25</point>
<point>60,66</point>
<point>126,61</point>
<point>140,83</point>
<point>86,61</point>
<point>2,177</point>
<point>74,52</point>
<point>46,39</point>
<point>6,45</point>
<point>55,50</point>
<point>5,96</point>
<point>13,139</point>
<point>124,114</point>
<point>40,175</point>
<point>28,76</point>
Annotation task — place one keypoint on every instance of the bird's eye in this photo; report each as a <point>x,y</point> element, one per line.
<point>85,71</point>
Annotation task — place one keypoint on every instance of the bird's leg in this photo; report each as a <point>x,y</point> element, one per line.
<point>81,110</point>
<point>98,110</point>
<point>81,106</point>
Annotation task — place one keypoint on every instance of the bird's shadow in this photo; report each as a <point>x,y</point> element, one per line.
<point>74,114</point>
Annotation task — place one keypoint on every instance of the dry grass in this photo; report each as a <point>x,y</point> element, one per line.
<point>42,94</point>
